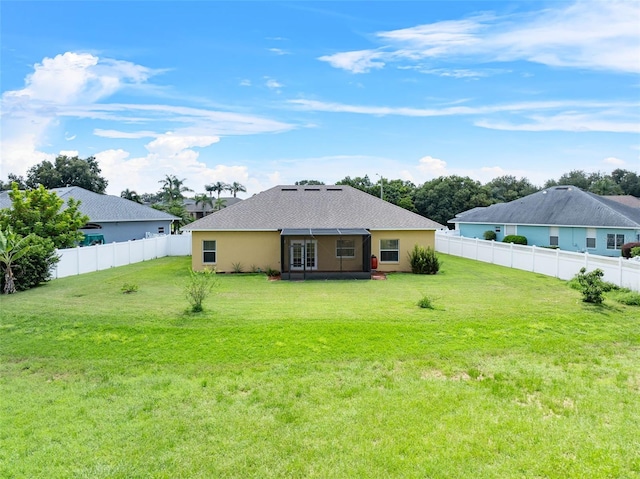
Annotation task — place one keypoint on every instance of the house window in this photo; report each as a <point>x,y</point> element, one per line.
<point>389,250</point>
<point>554,233</point>
<point>591,237</point>
<point>161,230</point>
<point>615,241</point>
<point>497,229</point>
<point>591,242</point>
<point>345,248</point>
<point>209,252</point>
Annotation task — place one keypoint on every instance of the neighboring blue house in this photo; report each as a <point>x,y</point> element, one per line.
<point>562,216</point>
<point>116,219</point>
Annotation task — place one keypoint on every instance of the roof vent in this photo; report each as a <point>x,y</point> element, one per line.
<point>334,189</point>
<point>289,189</point>
<point>312,189</point>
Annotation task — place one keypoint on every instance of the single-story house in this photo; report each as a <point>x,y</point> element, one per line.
<point>561,216</point>
<point>115,219</point>
<point>309,231</point>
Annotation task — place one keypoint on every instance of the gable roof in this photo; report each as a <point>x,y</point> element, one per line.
<point>323,206</point>
<point>103,208</point>
<point>558,205</point>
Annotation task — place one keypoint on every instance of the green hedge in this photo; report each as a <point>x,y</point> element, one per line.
<point>517,239</point>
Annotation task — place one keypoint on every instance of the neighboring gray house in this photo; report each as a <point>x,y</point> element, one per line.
<point>200,210</point>
<point>561,216</point>
<point>117,219</point>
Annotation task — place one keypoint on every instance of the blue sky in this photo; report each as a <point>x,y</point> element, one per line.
<point>268,93</point>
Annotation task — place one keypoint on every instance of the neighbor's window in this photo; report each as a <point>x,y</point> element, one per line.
<point>591,237</point>
<point>591,242</point>
<point>615,241</point>
<point>390,250</point>
<point>161,230</point>
<point>345,248</point>
<point>209,254</point>
<point>553,240</point>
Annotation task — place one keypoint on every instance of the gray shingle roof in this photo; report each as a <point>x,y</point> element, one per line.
<point>558,205</point>
<point>103,208</point>
<point>323,206</point>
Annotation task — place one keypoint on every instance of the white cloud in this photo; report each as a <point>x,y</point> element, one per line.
<point>273,84</point>
<point>245,82</point>
<point>432,167</point>
<point>613,161</point>
<point>69,153</point>
<point>594,35</point>
<point>279,51</point>
<point>171,144</point>
<point>356,62</point>
<point>69,137</point>
<point>123,134</point>
<point>618,117</point>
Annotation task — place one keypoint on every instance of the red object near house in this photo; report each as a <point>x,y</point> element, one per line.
<point>374,262</point>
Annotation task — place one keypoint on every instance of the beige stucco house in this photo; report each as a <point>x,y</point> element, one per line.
<point>310,232</point>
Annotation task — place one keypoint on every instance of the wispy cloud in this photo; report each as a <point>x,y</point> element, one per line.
<point>273,84</point>
<point>79,85</point>
<point>592,35</point>
<point>279,51</point>
<point>569,115</point>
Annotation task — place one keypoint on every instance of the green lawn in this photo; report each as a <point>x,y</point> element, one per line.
<point>510,376</point>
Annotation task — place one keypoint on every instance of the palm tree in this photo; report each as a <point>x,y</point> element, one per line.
<point>130,195</point>
<point>11,249</point>
<point>204,200</point>
<point>218,187</point>
<point>236,187</point>
<point>220,203</point>
<point>173,188</point>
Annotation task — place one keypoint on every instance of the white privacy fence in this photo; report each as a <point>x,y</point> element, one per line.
<point>95,258</point>
<point>549,262</point>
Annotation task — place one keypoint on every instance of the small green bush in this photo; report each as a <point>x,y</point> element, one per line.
<point>199,286</point>
<point>426,302</point>
<point>490,235</point>
<point>635,251</point>
<point>272,273</point>
<point>625,251</point>
<point>423,260</point>
<point>237,267</point>
<point>35,266</point>
<point>128,288</point>
<point>516,239</point>
<point>591,285</point>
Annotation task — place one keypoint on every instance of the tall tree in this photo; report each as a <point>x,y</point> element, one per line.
<point>444,197</point>
<point>628,181</point>
<point>11,178</point>
<point>236,188</point>
<point>130,195</point>
<point>41,212</point>
<point>219,204</point>
<point>67,171</point>
<point>508,188</point>
<point>204,200</point>
<point>217,187</point>
<point>173,189</point>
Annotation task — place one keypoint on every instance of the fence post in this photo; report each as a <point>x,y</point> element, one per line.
<point>557,262</point>
<point>586,260</point>
<point>511,255</point>
<point>533,258</point>
<point>477,249</point>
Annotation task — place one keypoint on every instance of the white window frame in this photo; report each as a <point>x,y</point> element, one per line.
<point>591,235</point>
<point>554,236</point>
<point>616,237</point>
<point>341,247</point>
<point>206,250</point>
<point>387,250</point>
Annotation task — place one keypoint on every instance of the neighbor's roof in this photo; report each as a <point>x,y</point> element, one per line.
<point>323,206</point>
<point>628,200</point>
<point>103,208</point>
<point>558,205</point>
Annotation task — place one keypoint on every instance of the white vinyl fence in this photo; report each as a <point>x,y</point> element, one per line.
<point>95,258</point>
<point>549,262</point>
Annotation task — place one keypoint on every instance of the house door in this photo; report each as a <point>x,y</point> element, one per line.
<point>303,255</point>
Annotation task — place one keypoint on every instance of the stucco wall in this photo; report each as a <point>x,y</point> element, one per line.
<point>407,240</point>
<point>262,249</point>
<point>249,248</point>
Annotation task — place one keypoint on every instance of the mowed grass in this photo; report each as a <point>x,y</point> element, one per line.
<point>510,376</point>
